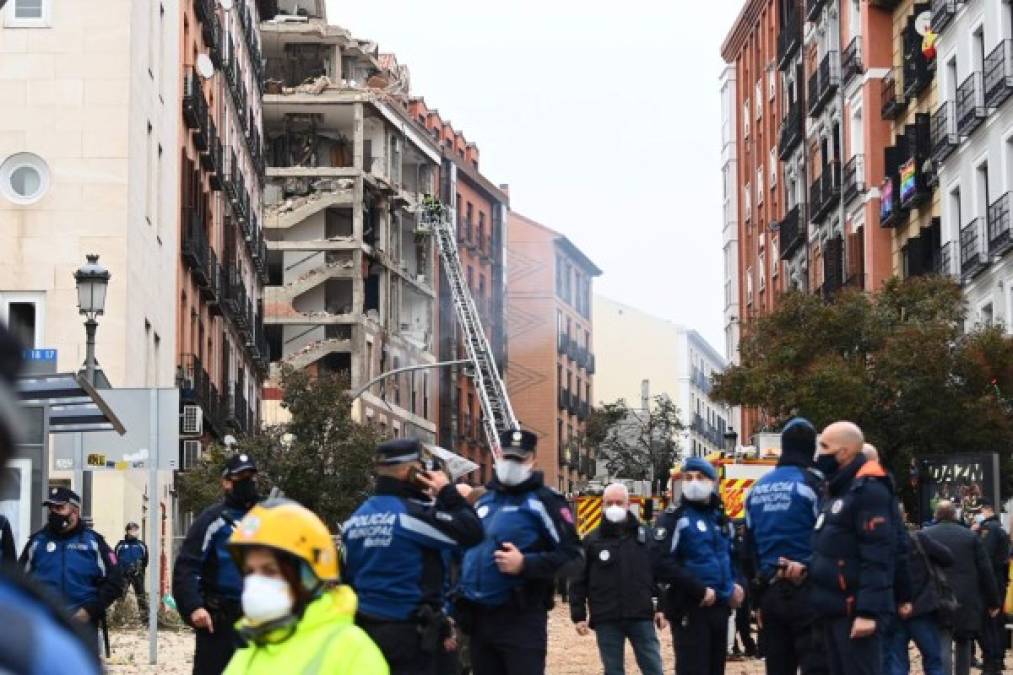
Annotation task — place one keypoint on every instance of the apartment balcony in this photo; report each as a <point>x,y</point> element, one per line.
<point>211,291</point>
<point>591,364</point>
<point>942,13</point>
<point>236,300</point>
<point>854,178</point>
<point>813,9</point>
<point>973,254</point>
<point>791,232</point>
<point>204,9</point>
<point>213,38</point>
<point>561,341</point>
<point>833,268</point>
<point>574,406</point>
<point>195,247</point>
<point>943,131</point>
<point>791,131</point>
<point>919,71</point>
<point>789,39</point>
<point>195,107</point>
<point>891,212</point>
<point>825,192</point>
<point>192,380</point>
<point>851,61</point>
<point>971,111</point>
<point>564,399</point>
<point>999,241</point>
<point>893,96</point>
<point>946,261</point>
<point>999,74</point>
<point>823,83</point>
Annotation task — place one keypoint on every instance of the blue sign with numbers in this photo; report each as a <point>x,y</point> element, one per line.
<point>39,361</point>
<point>39,355</point>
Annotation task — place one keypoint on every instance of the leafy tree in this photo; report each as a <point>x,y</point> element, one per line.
<point>320,457</point>
<point>635,443</point>
<point>898,363</point>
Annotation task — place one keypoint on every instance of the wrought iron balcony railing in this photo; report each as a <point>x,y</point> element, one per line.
<point>791,232</point>
<point>789,39</point>
<point>999,74</point>
<point>854,177</point>
<point>999,241</point>
<point>851,61</point>
<point>973,255</point>
<point>791,131</point>
<point>893,96</point>
<point>971,111</point>
<point>824,82</point>
<point>942,13</point>
<point>943,131</point>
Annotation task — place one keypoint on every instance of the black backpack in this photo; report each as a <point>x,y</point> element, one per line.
<point>947,599</point>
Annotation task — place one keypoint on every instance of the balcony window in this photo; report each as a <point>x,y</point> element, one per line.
<point>999,74</point>
<point>973,256</point>
<point>999,241</point>
<point>823,82</point>
<point>789,39</point>
<point>943,131</point>
<point>918,69</point>
<point>791,130</point>
<point>28,14</point>
<point>892,94</point>
<point>851,61</point>
<point>790,232</point>
<point>942,13</point>
<point>854,177</point>
<point>971,109</point>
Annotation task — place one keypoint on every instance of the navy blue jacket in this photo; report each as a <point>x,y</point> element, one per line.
<point>204,566</point>
<point>77,565</point>
<point>36,639</point>
<point>693,552</point>
<point>781,510</point>
<point>855,544</point>
<point>394,546</point>
<point>131,552</point>
<point>538,521</point>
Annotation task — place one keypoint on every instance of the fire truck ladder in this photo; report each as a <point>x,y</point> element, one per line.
<point>498,414</point>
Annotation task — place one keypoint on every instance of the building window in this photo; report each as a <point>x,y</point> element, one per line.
<point>773,168</point>
<point>24,178</point>
<point>771,84</point>
<point>24,315</point>
<point>28,14</point>
<point>747,202</point>
<point>758,98</point>
<point>745,118</point>
<point>761,271</point>
<point>759,185</point>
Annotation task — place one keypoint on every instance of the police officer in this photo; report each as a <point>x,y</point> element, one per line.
<point>206,583</point>
<point>8,549</point>
<point>73,560</point>
<point>854,545</point>
<point>132,558</point>
<point>507,581</point>
<point>781,510</point>
<point>37,637</point>
<point>996,542</point>
<point>693,549</point>
<point>394,547</point>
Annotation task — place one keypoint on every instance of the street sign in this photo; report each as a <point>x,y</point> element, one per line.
<point>39,362</point>
<point>104,451</point>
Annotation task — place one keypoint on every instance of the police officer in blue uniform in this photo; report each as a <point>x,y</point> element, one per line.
<point>693,554</point>
<point>73,560</point>
<point>507,582</point>
<point>394,548</point>
<point>854,546</point>
<point>206,583</point>
<point>781,510</point>
<point>132,558</point>
<point>38,637</point>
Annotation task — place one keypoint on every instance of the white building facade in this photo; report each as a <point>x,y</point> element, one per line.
<point>730,223</point>
<point>972,138</point>
<point>89,165</point>
<point>637,352</point>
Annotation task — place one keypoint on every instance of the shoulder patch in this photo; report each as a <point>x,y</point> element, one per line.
<point>660,533</point>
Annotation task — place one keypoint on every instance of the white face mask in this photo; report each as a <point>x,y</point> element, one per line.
<point>265,599</point>
<point>980,518</point>
<point>512,473</point>
<point>615,513</point>
<point>698,490</point>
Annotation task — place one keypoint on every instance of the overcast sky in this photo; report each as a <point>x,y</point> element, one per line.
<point>604,118</point>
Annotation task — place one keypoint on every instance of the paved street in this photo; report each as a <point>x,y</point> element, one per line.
<point>568,653</point>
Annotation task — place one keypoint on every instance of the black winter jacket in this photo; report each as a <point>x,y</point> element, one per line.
<point>617,581</point>
<point>971,576</point>
<point>855,544</point>
<point>925,598</point>
<point>997,550</point>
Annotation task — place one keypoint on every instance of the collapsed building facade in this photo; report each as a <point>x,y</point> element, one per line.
<point>352,281</point>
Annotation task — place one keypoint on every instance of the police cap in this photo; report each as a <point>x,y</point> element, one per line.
<point>237,464</point>
<point>399,451</point>
<point>518,443</point>
<point>60,495</point>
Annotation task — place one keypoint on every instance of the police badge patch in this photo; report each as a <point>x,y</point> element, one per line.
<point>659,533</point>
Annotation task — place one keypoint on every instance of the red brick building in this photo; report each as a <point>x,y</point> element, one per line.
<point>550,373</point>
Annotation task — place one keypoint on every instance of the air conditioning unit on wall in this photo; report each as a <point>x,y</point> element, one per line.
<point>192,451</point>
<point>192,421</point>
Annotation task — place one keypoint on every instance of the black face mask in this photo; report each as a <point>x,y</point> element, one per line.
<point>244,491</point>
<point>827,464</point>
<point>58,523</point>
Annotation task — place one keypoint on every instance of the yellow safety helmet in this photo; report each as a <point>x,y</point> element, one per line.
<point>284,525</point>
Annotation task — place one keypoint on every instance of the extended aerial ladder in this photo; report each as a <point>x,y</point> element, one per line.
<point>498,414</point>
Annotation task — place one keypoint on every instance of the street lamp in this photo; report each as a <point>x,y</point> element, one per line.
<point>92,281</point>
<point>731,440</point>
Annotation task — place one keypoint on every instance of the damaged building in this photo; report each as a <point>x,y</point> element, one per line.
<point>351,277</point>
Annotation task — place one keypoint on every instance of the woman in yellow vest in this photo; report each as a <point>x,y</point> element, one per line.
<point>297,619</point>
